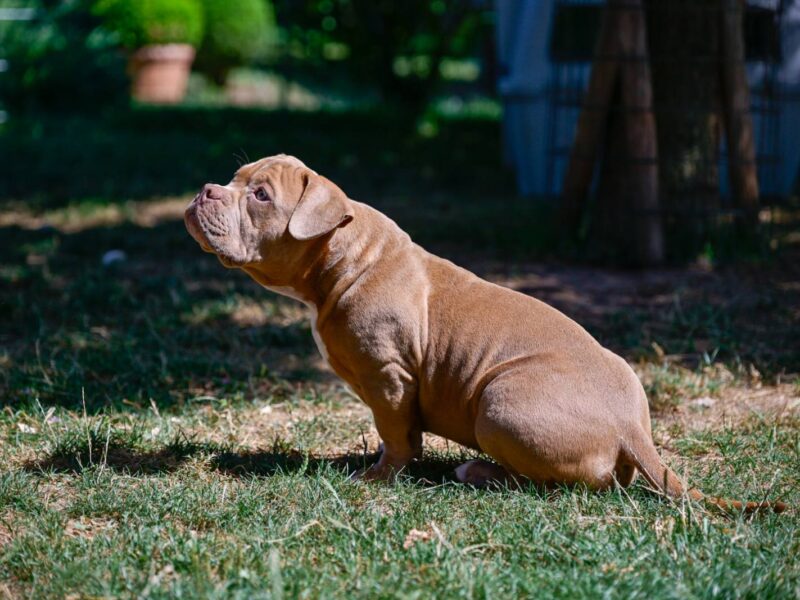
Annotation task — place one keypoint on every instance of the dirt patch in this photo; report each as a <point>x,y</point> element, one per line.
<point>87,528</point>
<point>57,493</point>
<point>323,429</point>
<point>75,219</point>
<point>8,527</point>
<point>734,406</point>
<point>8,591</point>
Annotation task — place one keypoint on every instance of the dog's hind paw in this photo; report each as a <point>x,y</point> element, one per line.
<point>480,473</point>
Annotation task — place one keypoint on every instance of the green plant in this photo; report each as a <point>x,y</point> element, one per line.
<point>396,47</point>
<point>60,60</point>
<point>140,23</point>
<point>236,34</point>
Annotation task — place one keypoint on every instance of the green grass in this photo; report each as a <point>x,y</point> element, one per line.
<point>149,512</point>
<point>167,430</point>
<point>213,457</point>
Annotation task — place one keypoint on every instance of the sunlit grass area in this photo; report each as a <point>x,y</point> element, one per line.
<point>226,497</point>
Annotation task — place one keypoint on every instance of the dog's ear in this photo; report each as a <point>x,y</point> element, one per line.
<point>322,208</point>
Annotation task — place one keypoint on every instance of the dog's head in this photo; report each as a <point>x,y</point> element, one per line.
<point>267,214</point>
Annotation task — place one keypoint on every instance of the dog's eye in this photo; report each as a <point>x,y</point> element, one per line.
<point>261,195</point>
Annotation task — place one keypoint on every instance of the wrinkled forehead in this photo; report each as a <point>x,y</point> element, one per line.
<point>266,167</point>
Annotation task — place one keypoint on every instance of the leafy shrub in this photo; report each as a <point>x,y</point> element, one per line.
<point>139,23</point>
<point>236,33</point>
<point>397,47</point>
<point>60,60</point>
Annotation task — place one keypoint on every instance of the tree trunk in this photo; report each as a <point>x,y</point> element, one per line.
<point>684,42</point>
<point>742,171</point>
<point>674,74</point>
<point>641,191</point>
<point>592,121</point>
<point>618,109</point>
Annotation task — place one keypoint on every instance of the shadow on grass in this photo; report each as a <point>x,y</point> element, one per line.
<point>127,458</point>
<point>431,469</point>
<point>118,456</point>
<point>167,324</point>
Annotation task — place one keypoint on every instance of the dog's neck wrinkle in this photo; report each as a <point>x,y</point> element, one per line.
<point>348,255</point>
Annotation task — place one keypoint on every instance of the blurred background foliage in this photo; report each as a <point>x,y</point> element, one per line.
<point>414,40</point>
<point>398,53</point>
<point>233,38</point>
<point>137,23</point>
<point>396,101</point>
<point>60,60</point>
<point>317,78</point>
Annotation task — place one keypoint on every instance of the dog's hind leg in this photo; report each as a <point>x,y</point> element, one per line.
<point>535,429</point>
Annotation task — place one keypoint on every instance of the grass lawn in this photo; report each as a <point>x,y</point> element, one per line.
<point>168,429</point>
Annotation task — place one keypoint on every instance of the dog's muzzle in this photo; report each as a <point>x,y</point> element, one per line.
<point>207,218</point>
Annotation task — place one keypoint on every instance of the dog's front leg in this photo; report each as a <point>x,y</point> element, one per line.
<point>402,443</point>
<point>396,413</point>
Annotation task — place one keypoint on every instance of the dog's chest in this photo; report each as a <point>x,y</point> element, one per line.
<point>291,293</point>
<point>317,337</point>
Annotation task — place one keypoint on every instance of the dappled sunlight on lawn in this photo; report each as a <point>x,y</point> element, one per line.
<point>78,217</point>
<point>160,405</point>
<point>166,322</point>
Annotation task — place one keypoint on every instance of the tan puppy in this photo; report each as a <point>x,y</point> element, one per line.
<point>431,347</point>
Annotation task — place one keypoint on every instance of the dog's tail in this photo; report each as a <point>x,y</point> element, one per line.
<point>643,455</point>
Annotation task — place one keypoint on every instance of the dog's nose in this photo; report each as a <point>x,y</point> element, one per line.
<point>213,191</point>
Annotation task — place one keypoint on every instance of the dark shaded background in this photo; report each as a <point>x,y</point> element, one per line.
<point>80,164</point>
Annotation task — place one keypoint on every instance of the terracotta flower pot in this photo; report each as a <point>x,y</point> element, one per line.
<point>160,73</point>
